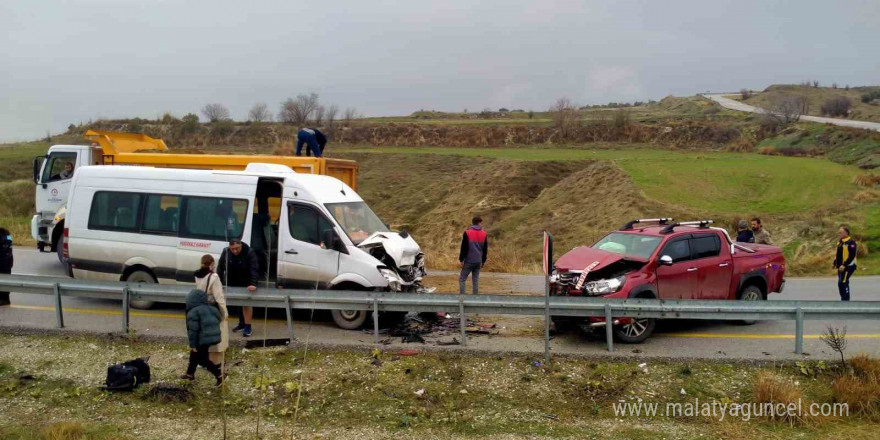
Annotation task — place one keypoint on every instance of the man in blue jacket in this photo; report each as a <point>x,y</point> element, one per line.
<point>313,138</point>
<point>473,253</point>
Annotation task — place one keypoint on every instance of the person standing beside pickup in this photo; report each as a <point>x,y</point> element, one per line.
<point>845,261</point>
<point>473,253</point>
<point>239,267</point>
<point>761,234</point>
<point>313,139</point>
<point>744,234</point>
<point>5,260</point>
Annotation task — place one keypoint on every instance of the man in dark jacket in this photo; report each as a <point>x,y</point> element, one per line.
<point>473,253</point>
<point>240,267</point>
<point>744,234</point>
<point>203,330</point>
<point>845,261</point>
<point>5,260</point>
<point>313,138</point>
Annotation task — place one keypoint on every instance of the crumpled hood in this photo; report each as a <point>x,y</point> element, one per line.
<point>403,250</point>
<point>581,257</point>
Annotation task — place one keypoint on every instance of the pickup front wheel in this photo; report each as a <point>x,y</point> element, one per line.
<point>636,331</point>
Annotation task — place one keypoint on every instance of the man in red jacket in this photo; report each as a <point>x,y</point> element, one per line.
<point>473,253</point>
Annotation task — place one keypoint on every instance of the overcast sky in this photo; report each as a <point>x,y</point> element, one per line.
<point>64,62</point>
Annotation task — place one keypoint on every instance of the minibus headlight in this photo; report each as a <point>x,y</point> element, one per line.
<point>392,278</point>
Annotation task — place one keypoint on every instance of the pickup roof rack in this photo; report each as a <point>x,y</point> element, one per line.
<point>659,221</point>
<point>704,224</point>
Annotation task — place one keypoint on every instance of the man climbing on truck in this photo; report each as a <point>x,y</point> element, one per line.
<point>313,138</point>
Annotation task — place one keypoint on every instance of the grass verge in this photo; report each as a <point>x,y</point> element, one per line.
<point>373,394</point>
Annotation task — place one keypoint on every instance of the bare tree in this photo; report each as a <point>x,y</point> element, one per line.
<point>319,114</point>
<point>565,116</point>
<point>298,111</point>
<point>332,111</point>
<point>349,114</point>
<point>815,84</point>
<point>745,93</point>
<point>260,113</point>
<point>787,107</point>
<point>215,112</point>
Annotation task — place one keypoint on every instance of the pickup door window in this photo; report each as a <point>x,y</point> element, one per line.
<point>678,281</point>
<point>713,266</point>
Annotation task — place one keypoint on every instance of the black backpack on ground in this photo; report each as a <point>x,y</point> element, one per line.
<point>128,375</point>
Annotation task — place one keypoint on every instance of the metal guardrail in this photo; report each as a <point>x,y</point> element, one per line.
<point>376,302</point>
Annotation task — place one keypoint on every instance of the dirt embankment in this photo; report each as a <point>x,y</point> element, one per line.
<point>677,133</point>
<point>435,197</point>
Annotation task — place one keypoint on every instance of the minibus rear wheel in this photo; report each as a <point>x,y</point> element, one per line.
<point>141,276</point>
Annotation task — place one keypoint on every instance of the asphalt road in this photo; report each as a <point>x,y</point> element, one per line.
<point>768,340</point>
<point>733,104</point>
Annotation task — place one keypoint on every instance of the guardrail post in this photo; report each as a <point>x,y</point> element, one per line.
<point>799,331</point>
<point>126,298</point>
<point>376,319</point>
<point>289,320</point>
<point>609,328</point>
<point>463,320</point>
<point>59,316</point>
<point>546,319</point>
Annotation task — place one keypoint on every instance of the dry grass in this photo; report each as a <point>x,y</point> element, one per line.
<point>771,388</point>
<point>861,389</point>
<point>64,431</point>
<point>868,196</point>
<point>867,180</point>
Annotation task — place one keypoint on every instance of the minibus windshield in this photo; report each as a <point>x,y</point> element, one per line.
<point>357,220</point>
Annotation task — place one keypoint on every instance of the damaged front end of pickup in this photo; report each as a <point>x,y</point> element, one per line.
<point>591,272</point>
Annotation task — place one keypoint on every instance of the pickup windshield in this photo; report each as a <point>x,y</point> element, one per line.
<point>636,245</point>
<point>357,220</point>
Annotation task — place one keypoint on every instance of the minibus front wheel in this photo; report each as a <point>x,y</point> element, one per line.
<point>141,276</point>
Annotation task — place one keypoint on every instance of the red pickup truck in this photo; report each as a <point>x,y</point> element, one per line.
<point>656,258</point>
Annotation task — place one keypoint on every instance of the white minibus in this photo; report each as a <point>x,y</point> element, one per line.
<point>143,224</point>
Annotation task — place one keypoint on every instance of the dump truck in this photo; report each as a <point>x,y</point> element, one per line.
<point>53,172</point>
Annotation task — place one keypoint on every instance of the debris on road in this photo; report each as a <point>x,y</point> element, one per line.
<point>416,327</point>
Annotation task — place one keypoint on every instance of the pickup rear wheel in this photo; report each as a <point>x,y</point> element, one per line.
<point>636,331</point>
<point>750,293</point>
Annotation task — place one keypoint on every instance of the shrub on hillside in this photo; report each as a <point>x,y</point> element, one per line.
<point>722,134</point>
<point>871,96</point>
<point>837,106</point>
<point>190,124</point>
<point>770,151</point>
<point>168,119</point>
<point>745,94</point>
<point>741,146</point>
<point>222,128</point>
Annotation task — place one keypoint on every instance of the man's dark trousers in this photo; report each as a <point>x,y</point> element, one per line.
<point>469,268</point>
<point>843,282</point>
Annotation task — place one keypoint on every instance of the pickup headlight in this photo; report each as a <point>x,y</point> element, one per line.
<point>554,277</point>
<point>393,279</point>
<point>604,287</point>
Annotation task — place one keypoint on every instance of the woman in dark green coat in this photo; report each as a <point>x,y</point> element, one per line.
<point>203,329</point>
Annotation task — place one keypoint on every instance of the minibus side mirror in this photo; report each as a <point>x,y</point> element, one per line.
<point>332,241</point>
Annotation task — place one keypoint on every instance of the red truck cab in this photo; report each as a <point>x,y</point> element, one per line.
<point>655,258</point>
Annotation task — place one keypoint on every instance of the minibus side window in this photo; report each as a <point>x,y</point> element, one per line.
<point>161,214</point>
<point>214,218</point>
<point>115,211</point>
<point>306,224</point>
